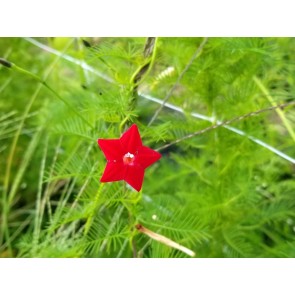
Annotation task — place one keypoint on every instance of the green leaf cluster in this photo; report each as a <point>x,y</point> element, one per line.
<point>221,194</point>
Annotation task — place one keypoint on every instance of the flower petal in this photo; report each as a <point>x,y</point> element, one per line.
<point>147,156</point>
<point>111,148</point>
<point>134,176</point>
<point>131,140</point>
<point>113,172</point>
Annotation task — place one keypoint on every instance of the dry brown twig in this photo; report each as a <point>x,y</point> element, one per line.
<point>164,240</point>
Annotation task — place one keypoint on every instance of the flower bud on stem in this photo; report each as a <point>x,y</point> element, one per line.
<point>5,63</point>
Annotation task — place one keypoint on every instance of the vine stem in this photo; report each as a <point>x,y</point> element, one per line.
<point>278,110</point>
<point>13,66</point>
<point>197,52</point>
<point>227,122</point>
<point>149,54</point>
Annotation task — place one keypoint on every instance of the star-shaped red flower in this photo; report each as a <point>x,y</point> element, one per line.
<point>127,158</point>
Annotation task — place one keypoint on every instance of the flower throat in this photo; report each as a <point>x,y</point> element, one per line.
<point>128,159</point>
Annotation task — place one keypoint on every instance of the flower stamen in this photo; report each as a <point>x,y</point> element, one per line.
<point>128,159</point>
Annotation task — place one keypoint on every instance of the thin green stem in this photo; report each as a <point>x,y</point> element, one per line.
<point>195,55</point>
<point>220,124</point>
<point>45,84</point>
<point>50,186</point>
<point>143,70</point>
<point>38,210</point>
<point>115,219</point>
<point>96,202</point>
<point>273,103</point>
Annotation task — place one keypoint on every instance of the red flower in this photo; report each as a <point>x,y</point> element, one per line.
<point>127,158</point>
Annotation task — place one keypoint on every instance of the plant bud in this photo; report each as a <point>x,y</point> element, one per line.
<point>5,63</point>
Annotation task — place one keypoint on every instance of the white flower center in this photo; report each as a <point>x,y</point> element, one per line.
<point>128,159</point>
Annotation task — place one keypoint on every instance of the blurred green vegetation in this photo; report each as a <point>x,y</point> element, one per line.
<point>224,193</point>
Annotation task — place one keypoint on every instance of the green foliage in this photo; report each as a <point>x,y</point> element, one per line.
<point>220,194</point>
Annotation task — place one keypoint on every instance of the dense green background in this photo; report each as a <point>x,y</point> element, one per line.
<point>219,194</point>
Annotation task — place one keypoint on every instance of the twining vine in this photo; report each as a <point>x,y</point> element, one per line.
<point>227,122</point>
